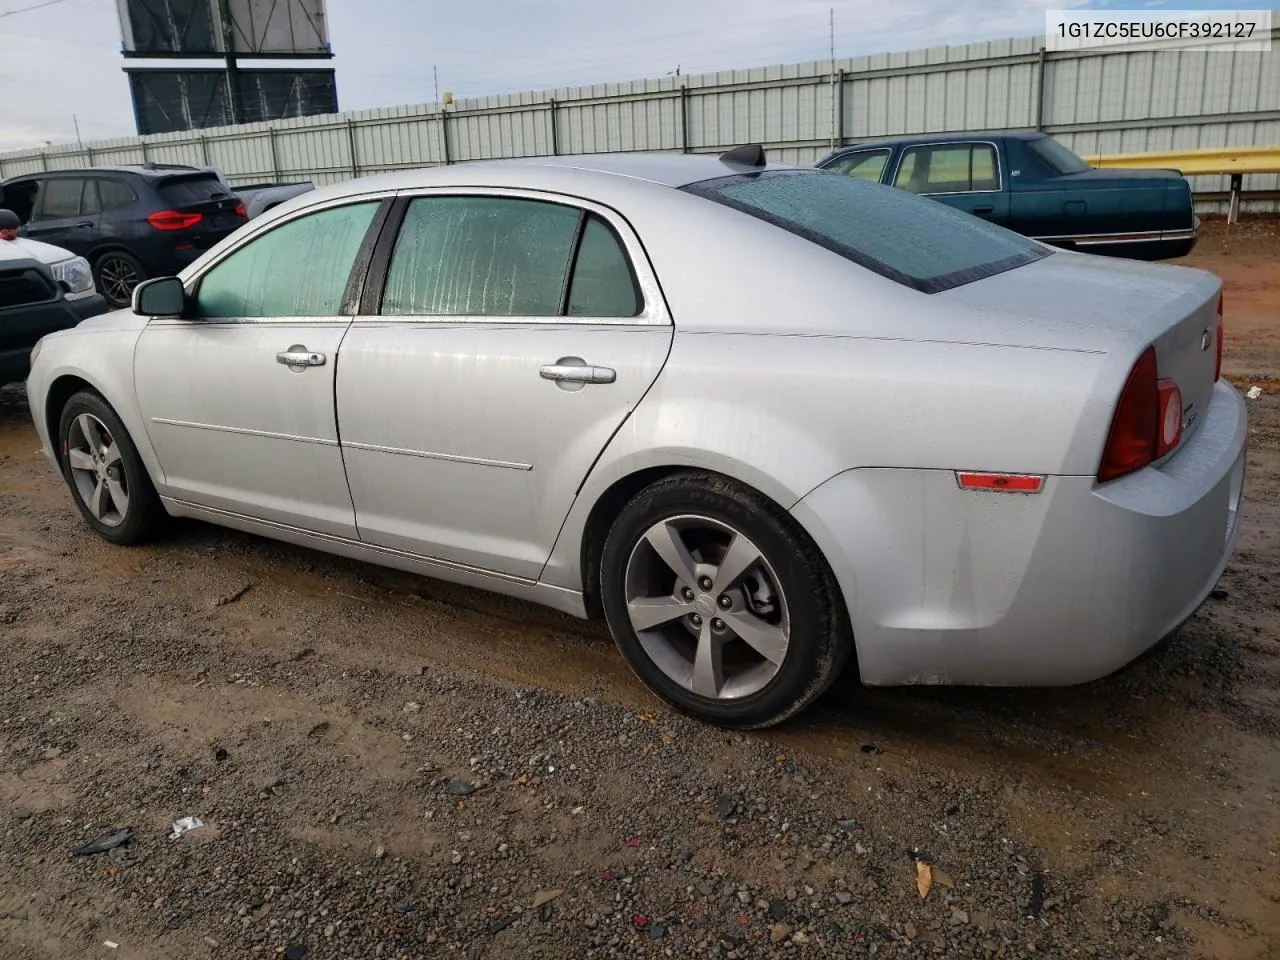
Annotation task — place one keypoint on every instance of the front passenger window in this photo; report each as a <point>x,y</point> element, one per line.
<point>298,269</point>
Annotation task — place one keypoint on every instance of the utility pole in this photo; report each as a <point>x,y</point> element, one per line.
<point>834,99</point>
<point>76,122</point>
<point>435,79</point>
<point>229,43</point>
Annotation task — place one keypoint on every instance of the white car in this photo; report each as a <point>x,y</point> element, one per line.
<point>763,419</point>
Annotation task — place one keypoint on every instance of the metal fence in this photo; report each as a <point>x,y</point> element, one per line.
<point>1095,101</point>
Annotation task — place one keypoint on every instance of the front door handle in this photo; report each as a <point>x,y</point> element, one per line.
<point>577,370</point>
<point>983,210</point>
<point>300,356</point>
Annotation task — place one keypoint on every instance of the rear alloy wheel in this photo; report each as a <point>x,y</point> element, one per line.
<point>108,480</point>
<point>116,274</point>
<point>720,604</point>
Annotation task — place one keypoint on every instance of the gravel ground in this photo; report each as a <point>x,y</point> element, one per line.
<point>392,767</point>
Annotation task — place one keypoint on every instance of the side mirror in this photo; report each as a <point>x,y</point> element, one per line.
<point>160,297</point>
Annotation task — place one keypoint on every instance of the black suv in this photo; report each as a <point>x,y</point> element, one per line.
<point>129,222</point>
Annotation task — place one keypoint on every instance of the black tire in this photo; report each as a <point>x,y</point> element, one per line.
<point>144,515</point>
<point>114,272</point>
<point>820,642</point>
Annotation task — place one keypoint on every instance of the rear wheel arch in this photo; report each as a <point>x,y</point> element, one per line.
<point>821,642</point>
<point>620,492</point>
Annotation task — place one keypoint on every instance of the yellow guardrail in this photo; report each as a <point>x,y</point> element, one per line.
<point>1235,161</point>
<point>1213,160</point>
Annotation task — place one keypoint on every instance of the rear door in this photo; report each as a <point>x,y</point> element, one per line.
<point>504,337</point>
<point>964,175</point>
<point>67,214</point>
<point>203,195</point>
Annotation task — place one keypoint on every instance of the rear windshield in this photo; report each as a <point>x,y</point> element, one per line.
<point>1058,157</point>
<point>188,191</point>
<point>920,243</point>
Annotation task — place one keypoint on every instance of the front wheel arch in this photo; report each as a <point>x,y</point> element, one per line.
<point>61,391</point>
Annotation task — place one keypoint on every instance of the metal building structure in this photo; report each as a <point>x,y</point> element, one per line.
<point>1097,101</point>
<point>171,99</point>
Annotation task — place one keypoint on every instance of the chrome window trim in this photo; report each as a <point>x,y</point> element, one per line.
<point>653,313</point>
<point>902,155</point>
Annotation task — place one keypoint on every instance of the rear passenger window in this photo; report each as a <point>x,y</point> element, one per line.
<point>61,198</point>
<point>298,269</point>
<point>89,202</point>
<point>948,168</point>
<point>603,284</point>
<point>115,193</point>
<point>480,256</point>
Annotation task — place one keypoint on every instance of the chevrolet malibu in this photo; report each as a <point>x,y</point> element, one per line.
<point>766,421</point>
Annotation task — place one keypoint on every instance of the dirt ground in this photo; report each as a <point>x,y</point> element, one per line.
<point>328,722</point>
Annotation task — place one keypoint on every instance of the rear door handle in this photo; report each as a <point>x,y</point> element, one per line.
<point>300,356</point>
<point>85,224</point>
<point>577,370</point>
<point>982,210</point>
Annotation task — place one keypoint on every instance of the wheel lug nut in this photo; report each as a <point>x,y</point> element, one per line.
<point>725,602</point>
<point>705,583</point>
<point>686,593</point>
<point>695,619</point>
<point>717,624</point>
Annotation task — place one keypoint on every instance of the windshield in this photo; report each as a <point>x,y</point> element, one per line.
<point>920,243</point>
<point>1057,156</point>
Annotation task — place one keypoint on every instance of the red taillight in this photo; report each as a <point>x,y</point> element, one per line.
<point>173,220</point>
<point>241,212</point>
<point>1131,444</point>
<point>1217,364</point>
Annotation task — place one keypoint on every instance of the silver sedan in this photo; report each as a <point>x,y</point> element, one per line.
<point>767,421</point>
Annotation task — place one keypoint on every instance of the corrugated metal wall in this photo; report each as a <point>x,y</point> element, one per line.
<point>1095,101</point>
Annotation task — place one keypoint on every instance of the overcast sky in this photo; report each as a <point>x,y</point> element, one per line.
<point>63,58</point>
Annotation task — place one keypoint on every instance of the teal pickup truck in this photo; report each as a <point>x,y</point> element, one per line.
<point>1034,185</point>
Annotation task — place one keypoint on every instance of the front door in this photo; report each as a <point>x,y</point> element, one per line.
<point>238,399</point>
<point>514,336</point>
<point>966,176</point>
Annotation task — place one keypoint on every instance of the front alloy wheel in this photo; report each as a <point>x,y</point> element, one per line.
<point>107,478</point>
<point>97,469</point>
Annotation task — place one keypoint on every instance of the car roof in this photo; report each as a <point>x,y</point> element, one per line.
<point>942,138</point>
<point>611,172</point>
<point>150,170</point>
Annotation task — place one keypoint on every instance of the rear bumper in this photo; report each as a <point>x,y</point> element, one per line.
<point>1056,588</point>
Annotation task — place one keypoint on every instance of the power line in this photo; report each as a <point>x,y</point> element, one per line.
<point>37,6</point>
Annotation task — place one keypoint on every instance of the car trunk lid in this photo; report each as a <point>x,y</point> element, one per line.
<point>1115,306</point>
